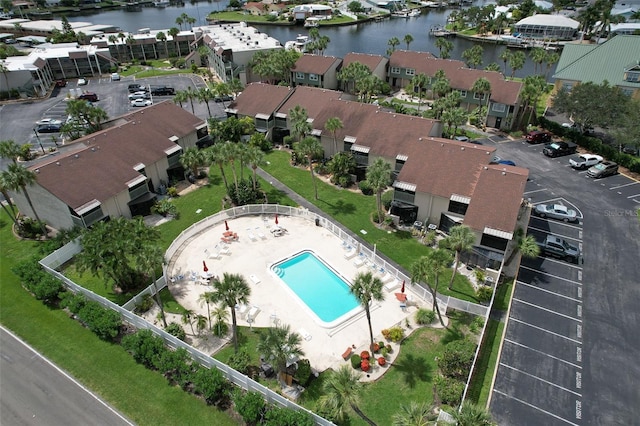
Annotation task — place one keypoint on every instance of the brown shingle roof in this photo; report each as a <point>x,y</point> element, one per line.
<point>315,64</point>
<point>497,198</point>
<point>103,162</point>
<point>460,77</point>
<point>313,99</point>
<point>260,98</point>
<point>371,61</point>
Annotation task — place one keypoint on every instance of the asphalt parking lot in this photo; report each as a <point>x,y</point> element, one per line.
<point>17,120</point>
<point>570,350</point>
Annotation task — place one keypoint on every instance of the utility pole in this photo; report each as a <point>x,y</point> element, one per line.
<point>39,143</point>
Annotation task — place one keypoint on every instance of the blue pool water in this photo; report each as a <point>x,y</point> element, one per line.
<point>317,285</point>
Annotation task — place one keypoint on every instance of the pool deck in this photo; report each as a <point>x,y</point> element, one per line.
<point>271,301</point>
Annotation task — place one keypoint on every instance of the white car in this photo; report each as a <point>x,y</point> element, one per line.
<point>139,95</point>
<point>82,82</point>
<point>49,121</point>
<point>584,161</point>
<point>141,103</point>
<point>115,77</point>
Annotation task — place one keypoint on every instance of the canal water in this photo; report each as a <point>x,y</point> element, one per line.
<point>368,37</point>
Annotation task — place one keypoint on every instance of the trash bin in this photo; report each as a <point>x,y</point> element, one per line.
<point>317,222</point>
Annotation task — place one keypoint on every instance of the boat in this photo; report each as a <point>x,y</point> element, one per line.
<point>299,44</point>
<point>161,3</point>
<point>439,31</point>
<point>414,12</point>
<point>404,13</point>
<point>312,22</point>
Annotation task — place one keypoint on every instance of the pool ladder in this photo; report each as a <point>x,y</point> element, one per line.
<point>279,272</point>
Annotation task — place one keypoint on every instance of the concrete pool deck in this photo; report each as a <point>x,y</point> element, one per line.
<point>271,301</point>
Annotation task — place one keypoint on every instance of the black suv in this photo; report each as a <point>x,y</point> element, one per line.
<point>162,91</point>
<point>138,88</point>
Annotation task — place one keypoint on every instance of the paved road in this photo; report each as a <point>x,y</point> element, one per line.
<point>571,344</point>
<point>35,392</point>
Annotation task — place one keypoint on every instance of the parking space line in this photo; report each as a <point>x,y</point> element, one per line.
<point>551,259</point>
<point>626,184</point>
<point>550,275</point>
<point>548,201</point>
<point>546,232</point>
<point>634,196</point>
<point>536,408</point>
<point>540,379</point>
<point>545,330</point>
<point>546,309</point>
<point>535,190</point>
<point>543,353</point>
<point>559,222</point>
<point>549,291</point>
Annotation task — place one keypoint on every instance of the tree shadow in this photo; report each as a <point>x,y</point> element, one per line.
<point>214,180</point>
<point>413,369</point>
<point>275,195</point>
<point>453,332</point>
<point>340,207</point>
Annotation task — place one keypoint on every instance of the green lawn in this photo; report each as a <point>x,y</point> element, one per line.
<point>140,394</point>
<point>485,365</point>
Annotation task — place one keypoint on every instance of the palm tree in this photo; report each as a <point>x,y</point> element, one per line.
<point>342,389</point>
<point>367,288</point>
<point>278,344</point>
<point>255,158</point>
<point>310,148</point>
<point>161,36</point>
<point>192,159</point>
<point>378,177</point>
<point>414,414</point>
<point>298,120</point>
<point>231,291</point>
<point>187,315</point>
<point>482,87</point>
<point>130,40</point>
<point>393,42</point>
<point>207,298</point>
<point>537,55</point>
<point>216,155</point>
<point>205,95</point>
<point>221,315</point>
<point>4,190</point>
<point>231,153</point>
<point>17,178</point>
<point>444,46</point>
<point>516,61</point>
<point>431,266</point>
<point>201,323</point>
<point>550,59</point>
<point>173,32</point>
<point>505,56</point>
<point>470,414</point>
<point>461,238</point>
<point>525,245</point>
<point>152,259</point>
<point>332,125</point>
<point>180,21</point>
<point>114,40</point>
<point>408,38</point>
<point>191,94</point>
<point>10,150</point>
<point>180,97</point>
<point>419,84</point>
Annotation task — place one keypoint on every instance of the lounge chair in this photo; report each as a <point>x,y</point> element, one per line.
<point>242,310</point>
<point>387,277</point>
<point>305,334</point>
<point>253,312</point>
<point>252,237</point>
<point>349,254</point>
<point>358,262</point>
<point>392,285</point>
<point>260,234</point>
<point>254,279</point>
<point>212,254</point>
<point>347,353</point>
<point>223,249</point>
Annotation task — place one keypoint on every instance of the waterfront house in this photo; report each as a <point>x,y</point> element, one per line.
<point>503,101</point>
<point>614,61</point>
<point>304,11</point>
<point>260,8</point>
<point>317,71</point>
<point>114,172</point>
<point>548,27</point>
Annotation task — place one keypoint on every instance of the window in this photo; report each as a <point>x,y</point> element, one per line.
<point>411,71</point>
<point>498,107</point>
<point>299,76</point>
<point>395,70</point>
<point>174,158</point>
<point>567,86</point>
<point>138,190</point>
<point>476,95</point>
<point>404,195</point>
<point>627,91</point>
<point>463,93</point>
<point>313,77</point>
<point>458,207</point>
<point>633,76</point>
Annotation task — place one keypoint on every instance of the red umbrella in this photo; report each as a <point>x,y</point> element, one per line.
<point>402,289</point>
<point>276,218</point>
<point>226,225</point>
<point>204,266</point>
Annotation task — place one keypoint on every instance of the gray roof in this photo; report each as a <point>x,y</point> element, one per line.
<point>598,63</point>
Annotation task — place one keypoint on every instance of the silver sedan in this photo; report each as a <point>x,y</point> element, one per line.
<point>556,211</point>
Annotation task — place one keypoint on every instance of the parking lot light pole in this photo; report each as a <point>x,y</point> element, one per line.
<point>38,139</point>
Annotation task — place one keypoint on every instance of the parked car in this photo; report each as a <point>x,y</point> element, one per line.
<point>115,76</point>
<point>162,91</point>
<point>89,96</point>
<point>223,98</point>
<point>139,95</point>
<point>141,103</point>
<point>538,136</point>
<point>558,247</point>
<point>82,82</point>
<point>476,142</point>
<point>604,169</point>
<point>138,88</point>
<point>584,161</point>
<point>49,121</point>
<point>630,149</point>
<point>61,83</point>
<point>461,138</point>
<point>48,128</point>
<point>507,162</point>
<point>558,149</point>
<point>556,211</point>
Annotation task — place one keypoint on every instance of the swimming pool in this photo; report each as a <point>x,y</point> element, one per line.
<point>318,286</point>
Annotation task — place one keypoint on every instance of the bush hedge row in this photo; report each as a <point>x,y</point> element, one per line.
<point>593,145</point>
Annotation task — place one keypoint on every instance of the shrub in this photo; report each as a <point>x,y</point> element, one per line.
<point>250,405</point>
<point>277,416</point>
<point>355,361</point>
<point>396,334</point>
<point>145,304</point>
<point>484,293</point>
<point>456,359</point>
<point>25,152</point>
<point>144,347</point>
<point>29,228</point>
<point>220,328</point>
<point>240,361</point>
<point>104,322</point>
<point>74,302</point>
<point>425,316</point>
<point>211,384</point>
<point>476,324</point>
<point>480,275</point>
<point>387,197</point>
<point>386,333</point>
<point>43,286</point>
<point>176,330</point>
<point>245,193</point>
<point>172,191</point>
<point>365,187</point>
<point>164,208</point>
<point>175,365</point>
<point>430,238</point>
<point>384,351</point>
<point>303,373</point>
<point>449,390</point>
